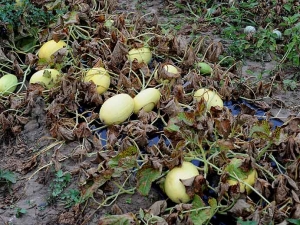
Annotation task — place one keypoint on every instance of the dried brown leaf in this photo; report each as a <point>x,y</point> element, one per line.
<point>189,58</point>
<point>113,133</point>
<point>30,59</point>
<point>295,211</point>
<point>179,45</point>
<point>82,130</point>
<point>118,55</point>
<point>28,165</point>
<point>5,122</point>
<point>116,210</point>
<point>62,129</point>
<point>226,144</point>
<point>241,208</point>
<point>214,51</point>
<point>158,207</point>
<point>171,107</point>
<point>223,126</point>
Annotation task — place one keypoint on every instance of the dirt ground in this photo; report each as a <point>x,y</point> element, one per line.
<point>35,170</point>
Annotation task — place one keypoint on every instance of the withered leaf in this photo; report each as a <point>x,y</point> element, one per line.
<point>179,45</point>
<point>82,130</point>
<point>145,177</point>
<point>226,144</point>
<point>200,185</point>
<point>189,58</point>
<point>23,120</point>
<point>158,207</point>
<point>98,181</point>
<point>30,59</point>
<point>58,35</point>
<point>128,218</point>
<point>59,56</point>
<point>165,74</point>
<point>3,57</point>
<point>61,130</point>
<point>16,129</point>
<point>281,190</point>
<point>245,109</point>
<point>263,187</point>
<point>90,93</point>
<point>116,210</point>
<point>241,208</point>
<point>71,17</point>
<point>118,55</point>
<point>124,81</point>
<point>214,51</point>
<point>174,160</point>
<point>28,165</point>
<point>6,124</point>
<point>171,107</point>
<point>147,117</point>
<point>79,152</point>
<point>223,127</point>
<point>292,125</point>
<point>113,133</point>
<point>295,212</point>
<point>179,93</point>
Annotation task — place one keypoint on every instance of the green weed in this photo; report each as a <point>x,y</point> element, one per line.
<point>19,212</point>
<point>59,183</point>
<point>289,84</point>
<point>71,197</point>
<point>26,15</point>
<point>7,177</point>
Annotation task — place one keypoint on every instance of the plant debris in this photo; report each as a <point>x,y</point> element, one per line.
<point>53,142</point>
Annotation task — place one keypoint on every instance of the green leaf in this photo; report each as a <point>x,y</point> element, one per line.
<point>234,168</point>
<point>272,48</point>
<point>294,221</point>
<point>71,18</point>
<point>97,183</point>
<point>125,219</point>
<point>115,161</point>
<point>145,177</point>
<point>172,127</point>
<point>260,42</point>
<point>26,44</point>
<point>8,176</point>
<point>201,213</point>
<point>47,74</point>
<point>261,130</point>
<point>141,213</point>
<point>241,222</point>
<point>59,173</point>
<point>287,7</point>
<point>187,117</point>
<point>278,136</point>
<point>20,212</point>
<point>288,32</point>
<point>124,161</point>
<point>23,211</point>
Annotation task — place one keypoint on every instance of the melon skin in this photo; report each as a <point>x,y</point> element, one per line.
<point>100,77</point>
<point>47,77</point>
<point>143,54</point>
<point>147,99</point>
<point>8,84</point>
<point>211,98</point>
<point>49,48</point>
<point>173,186</point>
<point>116,109</point>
